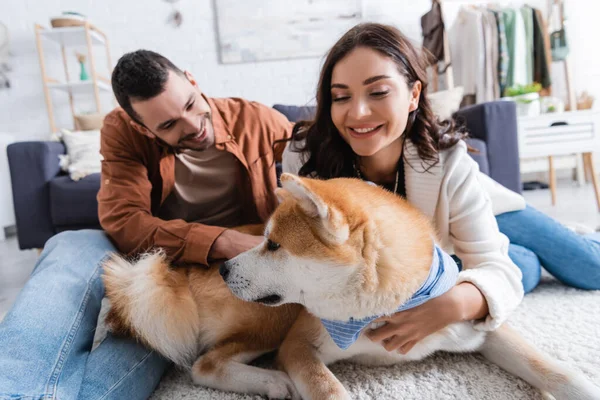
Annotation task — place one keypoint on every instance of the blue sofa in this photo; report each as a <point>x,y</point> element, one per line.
<point>47,201</point>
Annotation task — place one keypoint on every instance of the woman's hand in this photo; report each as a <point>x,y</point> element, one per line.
<point>404,329</point>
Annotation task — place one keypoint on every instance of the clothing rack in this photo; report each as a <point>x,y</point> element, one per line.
<point>568,73</point>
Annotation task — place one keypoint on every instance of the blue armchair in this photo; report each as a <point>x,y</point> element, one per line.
<point>47,201</point>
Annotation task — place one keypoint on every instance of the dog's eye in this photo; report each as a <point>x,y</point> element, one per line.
<point>272,246</point>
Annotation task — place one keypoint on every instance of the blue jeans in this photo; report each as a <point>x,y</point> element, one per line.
<point>537,240</point>
<point>46,338</point>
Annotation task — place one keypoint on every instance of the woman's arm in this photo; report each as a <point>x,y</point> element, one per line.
<point>482,249</point>
<point>402,330</point>
<point>489,287</point>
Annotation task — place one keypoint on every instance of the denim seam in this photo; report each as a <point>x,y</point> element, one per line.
<point>8,396</point>
<point>112,388</point>
<point>52,384</point>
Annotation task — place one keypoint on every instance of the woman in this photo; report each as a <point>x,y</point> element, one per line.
<point>374,122</point>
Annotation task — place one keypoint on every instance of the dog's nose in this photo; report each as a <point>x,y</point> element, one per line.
<point>224,271</point>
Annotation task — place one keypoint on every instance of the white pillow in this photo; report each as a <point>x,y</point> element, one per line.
<point>83,153</point>
<point>446,102</point>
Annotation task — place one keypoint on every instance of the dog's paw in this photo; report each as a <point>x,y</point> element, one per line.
<point>326,389</point>
<point>339,395</point>
<point>337,391</point>
<point>280,386</point>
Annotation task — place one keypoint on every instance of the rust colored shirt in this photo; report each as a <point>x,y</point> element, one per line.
<point>138,174</point>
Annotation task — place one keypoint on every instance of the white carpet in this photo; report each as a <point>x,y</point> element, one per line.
<point>559,320</point>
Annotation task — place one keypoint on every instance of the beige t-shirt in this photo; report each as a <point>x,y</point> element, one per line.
<point>205,189</point>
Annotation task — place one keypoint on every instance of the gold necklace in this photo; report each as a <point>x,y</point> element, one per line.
<point>359,175</point>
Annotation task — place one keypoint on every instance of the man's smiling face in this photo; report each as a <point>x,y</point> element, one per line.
<point>179,116</point>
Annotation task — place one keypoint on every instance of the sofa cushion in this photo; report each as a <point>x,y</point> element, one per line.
<point>74,203</point>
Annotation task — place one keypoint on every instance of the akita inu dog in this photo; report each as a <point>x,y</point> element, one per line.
<point>345,250</point>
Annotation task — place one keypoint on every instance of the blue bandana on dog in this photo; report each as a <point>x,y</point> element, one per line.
<point>442,277</point>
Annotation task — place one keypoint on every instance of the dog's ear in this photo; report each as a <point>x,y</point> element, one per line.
<point>314,206</point>
<point>310,202</point>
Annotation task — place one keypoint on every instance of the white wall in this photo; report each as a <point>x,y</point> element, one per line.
<point>134,24</point>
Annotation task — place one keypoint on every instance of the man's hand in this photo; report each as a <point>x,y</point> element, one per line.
<point>231,243</point>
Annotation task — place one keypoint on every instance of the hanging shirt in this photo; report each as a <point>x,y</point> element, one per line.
<point>490,31</point>
<point>503,56</point>
<point>467,49</point>
<point>527,14</point>
<point>515,38</point>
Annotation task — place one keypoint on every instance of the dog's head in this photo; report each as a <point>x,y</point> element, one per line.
<point>321,248</point>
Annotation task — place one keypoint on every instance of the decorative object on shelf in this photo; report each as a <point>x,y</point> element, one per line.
<point>527,98</point>
<point>585,101</point>
<point>175,18</point>
<point>68,18</point>
<point>4,54</point>
<point>551,104</point>
<point>83,76</point>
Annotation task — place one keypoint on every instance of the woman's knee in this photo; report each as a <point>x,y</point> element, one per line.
<point>583,273</point>
<point>529,264</point>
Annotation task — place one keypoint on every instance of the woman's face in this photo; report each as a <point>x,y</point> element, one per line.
<point>370,100</point>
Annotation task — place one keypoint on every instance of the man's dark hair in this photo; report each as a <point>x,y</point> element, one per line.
<point>140,75</point>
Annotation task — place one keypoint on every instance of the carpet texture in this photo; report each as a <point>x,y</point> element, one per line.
<point>559,320</point>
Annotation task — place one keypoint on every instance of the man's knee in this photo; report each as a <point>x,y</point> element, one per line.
<point>77,239</point>
<point>78,252</point>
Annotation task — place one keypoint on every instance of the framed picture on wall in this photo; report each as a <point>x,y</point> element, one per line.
<point>259,30</point>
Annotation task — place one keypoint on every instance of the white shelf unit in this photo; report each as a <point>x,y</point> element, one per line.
<point>72,36</point>
<point>81,87</point>
<point>89,36</point>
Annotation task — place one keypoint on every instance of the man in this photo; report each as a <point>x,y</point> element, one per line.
<point>179,169</point>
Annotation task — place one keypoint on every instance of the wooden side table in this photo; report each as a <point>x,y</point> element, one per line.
<point>548,135</point>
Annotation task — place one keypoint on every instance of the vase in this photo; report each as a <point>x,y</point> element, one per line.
<point>83,76</point>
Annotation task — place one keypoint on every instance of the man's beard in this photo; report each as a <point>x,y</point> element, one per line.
<point>205,144</point>
<point>205,129</point>
<point>179,149</point>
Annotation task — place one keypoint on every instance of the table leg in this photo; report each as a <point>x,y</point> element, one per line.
<point>552,182</point>
<point>580,171</point>
<point>588,161</point>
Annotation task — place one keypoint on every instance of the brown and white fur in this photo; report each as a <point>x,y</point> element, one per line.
<point>190,316</point>
<point>343,248</point>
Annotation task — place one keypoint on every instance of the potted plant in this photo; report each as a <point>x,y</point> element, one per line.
<point>527,98</point>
